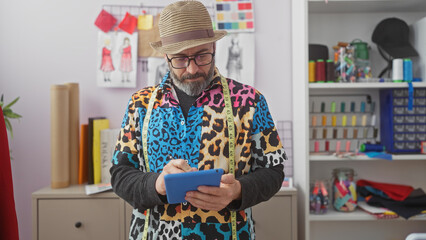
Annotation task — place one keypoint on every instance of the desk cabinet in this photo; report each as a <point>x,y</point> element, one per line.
<point>69,213</point>
<point>277,218</point>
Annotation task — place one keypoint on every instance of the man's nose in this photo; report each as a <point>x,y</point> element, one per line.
<point>192,67</point>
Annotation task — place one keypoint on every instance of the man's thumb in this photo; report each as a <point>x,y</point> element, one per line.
<point>228,178</point>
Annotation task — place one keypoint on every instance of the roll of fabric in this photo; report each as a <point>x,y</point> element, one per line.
<point>59,136</point>
<point>74,125</point>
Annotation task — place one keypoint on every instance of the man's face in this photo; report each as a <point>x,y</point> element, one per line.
<point>193,79</point>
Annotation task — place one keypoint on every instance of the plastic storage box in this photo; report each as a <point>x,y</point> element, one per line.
<point>402,129</point>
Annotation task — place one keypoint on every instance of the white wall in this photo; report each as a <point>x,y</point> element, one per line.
<point>52,42</point>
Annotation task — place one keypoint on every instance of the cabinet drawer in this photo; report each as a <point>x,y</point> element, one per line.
<point>273,219</point>
<point>99,218</point>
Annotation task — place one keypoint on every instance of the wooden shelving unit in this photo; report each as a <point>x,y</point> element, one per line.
<point>315,21</point>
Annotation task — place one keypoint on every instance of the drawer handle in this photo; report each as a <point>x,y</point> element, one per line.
<point>78,224</point>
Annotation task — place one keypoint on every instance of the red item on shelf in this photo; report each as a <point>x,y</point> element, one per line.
<point>396,192</point>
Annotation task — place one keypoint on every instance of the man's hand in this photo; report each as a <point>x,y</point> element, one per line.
<point>174,166</point>
<point>216,198</point>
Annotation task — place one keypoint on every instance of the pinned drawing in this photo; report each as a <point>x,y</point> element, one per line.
<point>235,57</point>
<point>117,59</point>
<point>106,63</point>
<point>157,68</point>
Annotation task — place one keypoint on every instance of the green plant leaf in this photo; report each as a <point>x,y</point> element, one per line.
<point>14,115</point>
<point>8,127</point>
<point>11,103</point>
<point>7,111</point>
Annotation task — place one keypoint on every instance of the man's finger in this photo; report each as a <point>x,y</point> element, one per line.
<point>227,178</point>
<point>181,164</point>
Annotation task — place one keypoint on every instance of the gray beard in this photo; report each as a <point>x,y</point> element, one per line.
<point>192,88</point>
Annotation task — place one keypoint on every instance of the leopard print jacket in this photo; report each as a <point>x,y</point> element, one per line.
<point>202,139</point>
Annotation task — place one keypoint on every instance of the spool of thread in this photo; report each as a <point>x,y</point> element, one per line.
<point>333,120</point>
<point>352,106</point>
<point>348,146</point>
<point>373,107</point>
<point>327,146</point>
<point>344,120</point>
<point>314,133</point>
<point>362,106</point>
<point>316,146</point>
<point>353,120</point>
<point>312,66</point>
<point>324,133</point>
<point>364,120</point>
<point>355,133</point>
<point>338,146</point>
<point>334,133</point>
<point>365,133</point>
<point>345,133</point>
<point>330,71</point>
<point>320,71</point>
<point>324,120</point>
<point>333,107</point>
<point>342,107</point>
<point>314,121</point>
<point>322,107</point>
<point>366,147</point>
<point>373,120</point>
<point>408,70</point>
<point>397,70</point>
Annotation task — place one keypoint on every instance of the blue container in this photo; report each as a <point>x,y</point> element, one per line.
<point>402,130</point>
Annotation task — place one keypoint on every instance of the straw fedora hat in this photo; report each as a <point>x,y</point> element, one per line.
<point>183,25</point>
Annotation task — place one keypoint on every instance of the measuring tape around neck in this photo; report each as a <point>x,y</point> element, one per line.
<point>145,146</point>
<point>231,134</point>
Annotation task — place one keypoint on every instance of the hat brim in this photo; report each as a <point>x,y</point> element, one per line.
<point>180,46</point>
<point>400,51</point>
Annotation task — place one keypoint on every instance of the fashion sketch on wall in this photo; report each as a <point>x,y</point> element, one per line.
<point>235,57</point>
<point>117,59</point>
<point>157,68</point>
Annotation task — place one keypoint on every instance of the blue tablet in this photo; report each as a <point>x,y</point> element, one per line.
<point>178,184</point>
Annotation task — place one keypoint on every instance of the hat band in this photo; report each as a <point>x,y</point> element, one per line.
<point>180,37</point>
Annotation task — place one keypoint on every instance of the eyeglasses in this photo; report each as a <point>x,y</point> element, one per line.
<point>199,59</point>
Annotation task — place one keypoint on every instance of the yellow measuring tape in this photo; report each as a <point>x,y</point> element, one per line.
<point>231,134</point>
<point>145,150</point>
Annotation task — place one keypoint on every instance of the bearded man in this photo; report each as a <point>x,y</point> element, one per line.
<point>195,119</point>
